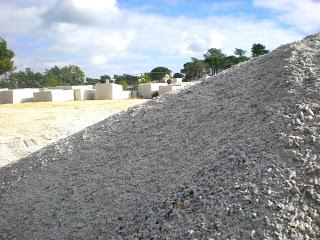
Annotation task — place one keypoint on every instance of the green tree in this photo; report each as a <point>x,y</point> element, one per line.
<point>6,55</point>
<point>26,79</point>
<point>258,50</point>
<point>230,61</point>
<point>239,52</point>
<point>68,75</point>
<point>194,70</point>
<point>145,78</point>
<point>178,75</point>
<point>159,72</point>
<point>105,78</point>
<point>124,84</point>
<point>215,59</point>
<point>92,81</point>
<point>52,80</point>
<point>131,80</point>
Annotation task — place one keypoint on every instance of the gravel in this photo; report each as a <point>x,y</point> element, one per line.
<point>234,157</point>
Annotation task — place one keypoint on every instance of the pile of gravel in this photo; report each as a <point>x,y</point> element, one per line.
<point>235,157</point>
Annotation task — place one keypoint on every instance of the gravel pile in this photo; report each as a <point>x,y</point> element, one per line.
<point>235,157</point>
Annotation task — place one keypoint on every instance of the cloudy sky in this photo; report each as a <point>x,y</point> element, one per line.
<point>134,36</point>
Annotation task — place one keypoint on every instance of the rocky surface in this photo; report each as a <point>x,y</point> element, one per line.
<point>235,157</point>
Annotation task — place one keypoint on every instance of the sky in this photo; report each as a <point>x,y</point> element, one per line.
<point>135,36</point>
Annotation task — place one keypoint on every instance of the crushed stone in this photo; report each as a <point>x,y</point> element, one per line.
<point>234,157</point>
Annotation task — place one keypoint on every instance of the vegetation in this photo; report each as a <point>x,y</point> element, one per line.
<point>214,61</point>
<point>258,50</point>
<point>68,75</point>
<point>6,56</point>
<point>124,84</point>
<point>195,69</point>
<point>127,80</point>
<point>178,75</point>
<point>145,78</point>
<point>159,72</point>
<point>105,78</point>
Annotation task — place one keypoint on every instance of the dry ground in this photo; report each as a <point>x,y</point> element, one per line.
<point>28,127</point>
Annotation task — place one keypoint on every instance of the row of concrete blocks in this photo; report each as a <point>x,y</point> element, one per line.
<point>78,93</point>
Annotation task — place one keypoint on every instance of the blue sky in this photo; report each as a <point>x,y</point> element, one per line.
<point>134,36</point>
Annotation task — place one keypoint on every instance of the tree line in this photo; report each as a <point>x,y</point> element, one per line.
<point>214,61</point>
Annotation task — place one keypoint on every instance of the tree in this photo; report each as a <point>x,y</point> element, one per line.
<point>105,78</point>
<point>68,75</point>
<point>230,61</point>
<point>258,50</point>
<point>215,59</point>
<point>26,79</point>
<point>159,72</point>
<point>239,52</point>
<point>178,75</point>
<point>92,81</point>
<point>6,55</point>
<point>145,78</point>
<point>130,79</point>
<point>195,69</point>
<point>124,84</point>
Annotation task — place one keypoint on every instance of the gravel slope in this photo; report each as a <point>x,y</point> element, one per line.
<point>235,157</point>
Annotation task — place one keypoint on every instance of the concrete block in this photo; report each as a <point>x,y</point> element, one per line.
<point>169,88</point>
<point>54,95</point>
<point>126,94</point>
<point>85,87</point>
<point>83,94</point>
<point>17,95</point>
<point>176,81</point>
<point>109,91</point>
<point>148,90</point>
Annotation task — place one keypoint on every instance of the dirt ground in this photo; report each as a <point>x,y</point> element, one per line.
<point>25,128</point>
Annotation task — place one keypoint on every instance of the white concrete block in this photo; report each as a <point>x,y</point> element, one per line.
<point>85,87</point>
<point>83,94</point>
<point>54,95</point>
<point>169,88</point>
<point>17,95</point>
<point>176,81</point>
<point>109,91</point>
<point>148,90</point>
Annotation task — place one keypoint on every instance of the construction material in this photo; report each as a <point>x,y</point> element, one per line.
<point>110,91</point>
<point>149,90</point>
<point>169,88</point>
<point>234,157</point>
<point>54,95</point>
<point>17,95</point>
<point>176,81</point>
<point>82,94</point>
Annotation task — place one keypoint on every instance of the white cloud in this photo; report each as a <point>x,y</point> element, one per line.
<point>98,59</point>
<point>19,20</point>
<point>102,38</point>
<point>82,12</point>
<point>302,14</point>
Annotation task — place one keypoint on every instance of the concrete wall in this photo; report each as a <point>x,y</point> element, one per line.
<point>169,88</point>
<point>110,91</point>
<point>17,95</point>
<point>54,95</point>
<point>148,89</point>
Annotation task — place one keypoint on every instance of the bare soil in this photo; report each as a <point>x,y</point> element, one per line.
<point>25,128</point>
